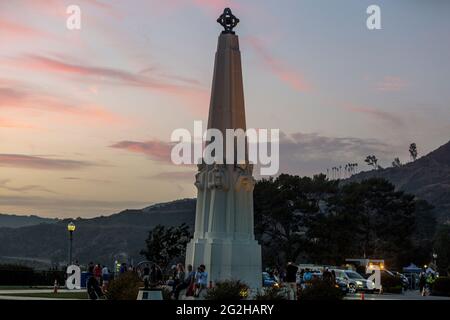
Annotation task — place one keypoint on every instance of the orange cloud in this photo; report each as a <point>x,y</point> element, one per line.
<point>278,68</point>
<point>7,123</point>
<point>5,184</point>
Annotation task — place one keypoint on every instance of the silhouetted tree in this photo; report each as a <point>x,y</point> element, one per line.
<point>164,244</point>
<point>369,219</point>
<point>283,208</point>
<point>320,221</point>
<point>413,151</point>
<point>396,163</point>
<point>372,160</point>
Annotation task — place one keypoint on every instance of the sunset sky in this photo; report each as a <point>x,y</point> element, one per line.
<point>86,115</point>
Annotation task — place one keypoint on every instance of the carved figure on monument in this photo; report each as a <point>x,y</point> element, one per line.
<point>200,177</point>
<point>217,178</point>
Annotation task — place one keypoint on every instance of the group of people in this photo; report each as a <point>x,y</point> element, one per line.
<point>194,282</point>
<point>426,281</point>
<point>97,281</point>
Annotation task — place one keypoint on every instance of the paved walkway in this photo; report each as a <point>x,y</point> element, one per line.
<point>408,295</point>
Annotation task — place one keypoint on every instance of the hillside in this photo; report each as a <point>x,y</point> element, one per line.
<point>428,178</point>
<point>40,241</point>
<point>98,239</point>
<point>15,221</point>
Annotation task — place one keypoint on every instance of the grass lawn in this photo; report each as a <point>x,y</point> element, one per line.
<point>59,295</point>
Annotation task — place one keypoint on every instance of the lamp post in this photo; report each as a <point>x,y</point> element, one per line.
<point>435,259</point>
<point>71,229</point>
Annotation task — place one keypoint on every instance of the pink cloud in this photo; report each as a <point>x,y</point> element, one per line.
<point>7,123</point>
<point>57,8</point>
<point>10,29</point>
<point>19,98</point>
<point>154,149</point>
<point>38,162</point>
<point>194,97</point>
<point>283,72</point>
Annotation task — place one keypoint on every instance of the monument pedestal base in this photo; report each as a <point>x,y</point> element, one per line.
<point>149,294</point>
<point>227,259</point>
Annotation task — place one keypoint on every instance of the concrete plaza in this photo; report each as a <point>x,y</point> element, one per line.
<point>408,295</point>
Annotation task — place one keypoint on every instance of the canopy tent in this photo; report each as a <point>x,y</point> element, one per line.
<point>412,268</point>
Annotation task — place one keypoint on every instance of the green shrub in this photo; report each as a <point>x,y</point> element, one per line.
<point>441,287</point>
<point>271,293</point>
<point>321,290</point>
<point>124,287</point>
<point>166,293</point>
<point>228,290</point>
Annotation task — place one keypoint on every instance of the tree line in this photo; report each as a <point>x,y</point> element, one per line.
<point>317,220</point>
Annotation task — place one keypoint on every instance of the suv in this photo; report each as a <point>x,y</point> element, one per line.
<point>355,281</point>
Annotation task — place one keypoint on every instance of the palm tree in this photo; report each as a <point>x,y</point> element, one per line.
<point>413,151</point>
<point>372,160</point>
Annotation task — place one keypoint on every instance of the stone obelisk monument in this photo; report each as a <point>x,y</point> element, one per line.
<point>224,238</point>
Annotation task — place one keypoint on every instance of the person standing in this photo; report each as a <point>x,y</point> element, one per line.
<point>155,275</point>
<point>181,273</point>
<point>327,277</point>
<point>333,277</point>
<point>91,268</point>
<point>186,283</point>
<point>178,276</point>
<point>201,280</point>
<point>105,278</point>
<point>93,289</point>
<point>291,280</point>
<point>422,283</point>
<point>98,273</point>
<point>123,268</point>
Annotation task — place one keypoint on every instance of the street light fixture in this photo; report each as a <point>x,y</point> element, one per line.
<point>71,228</point>
<point>435,259</point>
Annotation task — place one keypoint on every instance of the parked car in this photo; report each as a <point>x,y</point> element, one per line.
<point>354,280</point>
<point>342,285</point>
<point>404,279</point>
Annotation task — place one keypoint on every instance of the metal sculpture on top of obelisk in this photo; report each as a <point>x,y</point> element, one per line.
<point>224,238</point>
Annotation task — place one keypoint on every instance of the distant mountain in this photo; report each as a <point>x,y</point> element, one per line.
<point>40,241</point>
<point>102,239</point>
<point>15,221</point>
<point>428,178</point>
